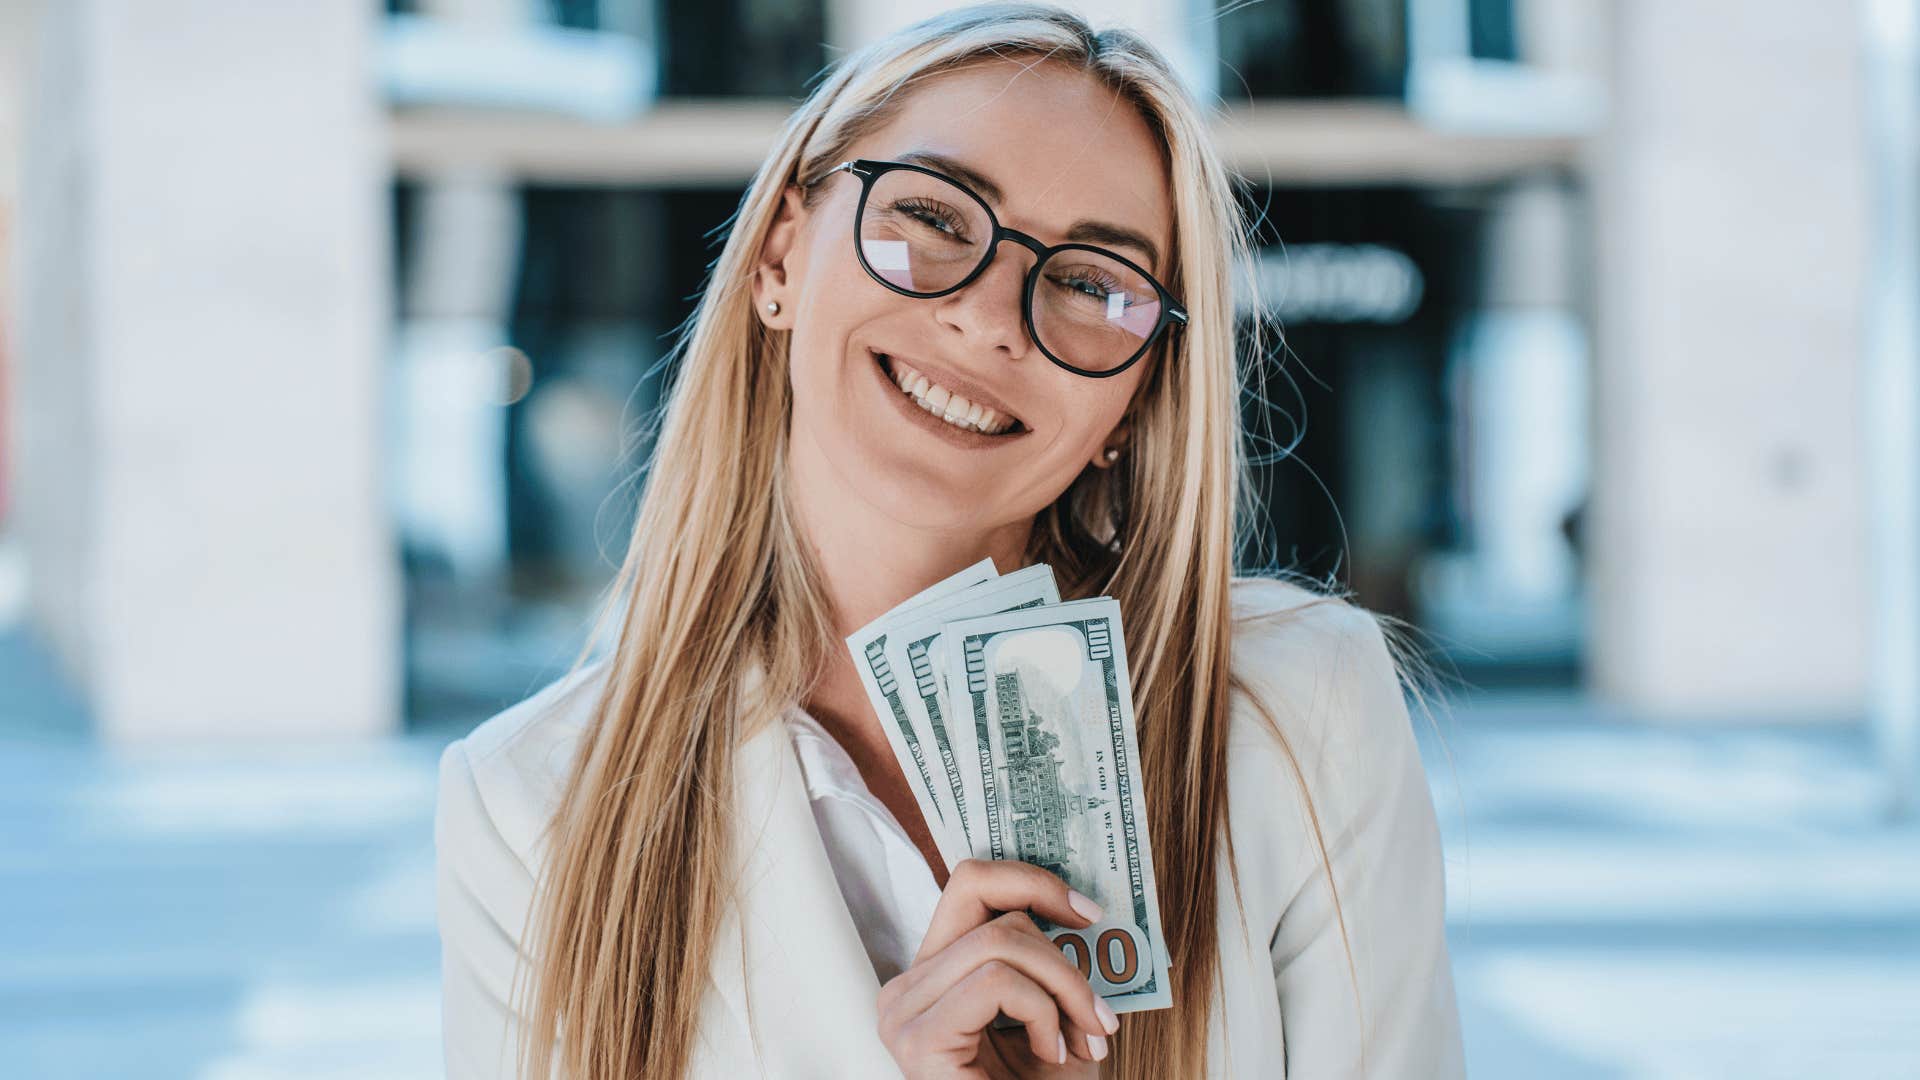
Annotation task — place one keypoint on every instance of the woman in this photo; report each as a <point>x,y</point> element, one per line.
<point>698,856</point>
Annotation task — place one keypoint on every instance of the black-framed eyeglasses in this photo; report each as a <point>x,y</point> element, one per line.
<point>922,233</point>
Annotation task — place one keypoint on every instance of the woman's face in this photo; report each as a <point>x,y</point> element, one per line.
<point>1062,149</point>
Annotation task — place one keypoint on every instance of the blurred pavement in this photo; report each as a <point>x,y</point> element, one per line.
<point>214,916</point>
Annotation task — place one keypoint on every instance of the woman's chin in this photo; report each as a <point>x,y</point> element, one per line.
<point>905,487</point>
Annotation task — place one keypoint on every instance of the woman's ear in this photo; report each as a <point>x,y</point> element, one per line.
<point>1114,445</point>
<point>776,269</point>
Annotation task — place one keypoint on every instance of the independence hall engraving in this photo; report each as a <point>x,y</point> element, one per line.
<point>1038,802</point>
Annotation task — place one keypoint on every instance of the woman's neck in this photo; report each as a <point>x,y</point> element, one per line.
<point>871,561</point>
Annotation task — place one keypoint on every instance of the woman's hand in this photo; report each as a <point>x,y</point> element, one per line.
<point>977,962</point>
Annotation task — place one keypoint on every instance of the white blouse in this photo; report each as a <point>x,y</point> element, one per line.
<point>890,892</point>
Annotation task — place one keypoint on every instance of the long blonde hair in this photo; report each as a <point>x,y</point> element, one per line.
<point>717,581</point>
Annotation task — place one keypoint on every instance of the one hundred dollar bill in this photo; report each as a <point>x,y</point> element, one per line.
<point>1057,764</point>
<point>887,692</point>
<point>914,653</point>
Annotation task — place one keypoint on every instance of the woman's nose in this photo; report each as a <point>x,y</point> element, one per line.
<point>990,305</point>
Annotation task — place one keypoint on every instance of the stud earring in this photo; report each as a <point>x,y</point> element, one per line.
<point>773,307</point>
<point>1113,454</point>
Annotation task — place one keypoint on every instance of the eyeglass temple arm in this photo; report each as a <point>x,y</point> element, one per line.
<point>846,165</point>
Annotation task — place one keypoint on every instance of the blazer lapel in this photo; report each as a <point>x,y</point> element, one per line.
<point>789,961</point>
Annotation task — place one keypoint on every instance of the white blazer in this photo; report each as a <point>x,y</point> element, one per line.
<point>792,991</point>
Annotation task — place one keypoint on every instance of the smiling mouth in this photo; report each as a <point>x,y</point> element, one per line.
<point>955,409</point>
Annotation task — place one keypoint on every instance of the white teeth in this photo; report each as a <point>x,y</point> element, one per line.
<point>946,404</point>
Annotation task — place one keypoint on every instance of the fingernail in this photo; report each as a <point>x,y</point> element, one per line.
<point>1061,1057</point>
<point>1084,905</point>
<point>1097,1046</point>
<point>1108,1019</point>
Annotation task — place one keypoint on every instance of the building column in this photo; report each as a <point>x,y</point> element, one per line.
<point>1728,529</point>
<point>1891,374</point>
<point>201,335</point>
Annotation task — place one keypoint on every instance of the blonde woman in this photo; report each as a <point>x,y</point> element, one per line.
<point>697,855</point>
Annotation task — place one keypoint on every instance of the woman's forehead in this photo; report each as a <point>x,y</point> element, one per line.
<point>1047,145</point>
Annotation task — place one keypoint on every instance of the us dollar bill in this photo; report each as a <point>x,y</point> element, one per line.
<point>887,693</point>
<point>914,653</point>
<point>1056,760</point>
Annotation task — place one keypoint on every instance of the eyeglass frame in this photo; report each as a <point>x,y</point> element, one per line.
<point>870,170</point>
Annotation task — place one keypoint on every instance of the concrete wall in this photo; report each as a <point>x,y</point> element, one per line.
<point>1729,568</point>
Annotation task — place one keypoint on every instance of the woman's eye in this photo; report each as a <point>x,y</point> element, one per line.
<point>930,216</point>
<point>1099,290</point>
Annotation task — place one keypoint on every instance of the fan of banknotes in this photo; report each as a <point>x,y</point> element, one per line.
<point>1012,716</point>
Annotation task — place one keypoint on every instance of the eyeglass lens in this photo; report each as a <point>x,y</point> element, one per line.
<point>924,235</point>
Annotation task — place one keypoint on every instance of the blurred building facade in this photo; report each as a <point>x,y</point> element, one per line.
<point>1571,293</point>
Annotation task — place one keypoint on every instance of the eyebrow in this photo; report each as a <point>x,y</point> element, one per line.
<point>1083,231</point>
